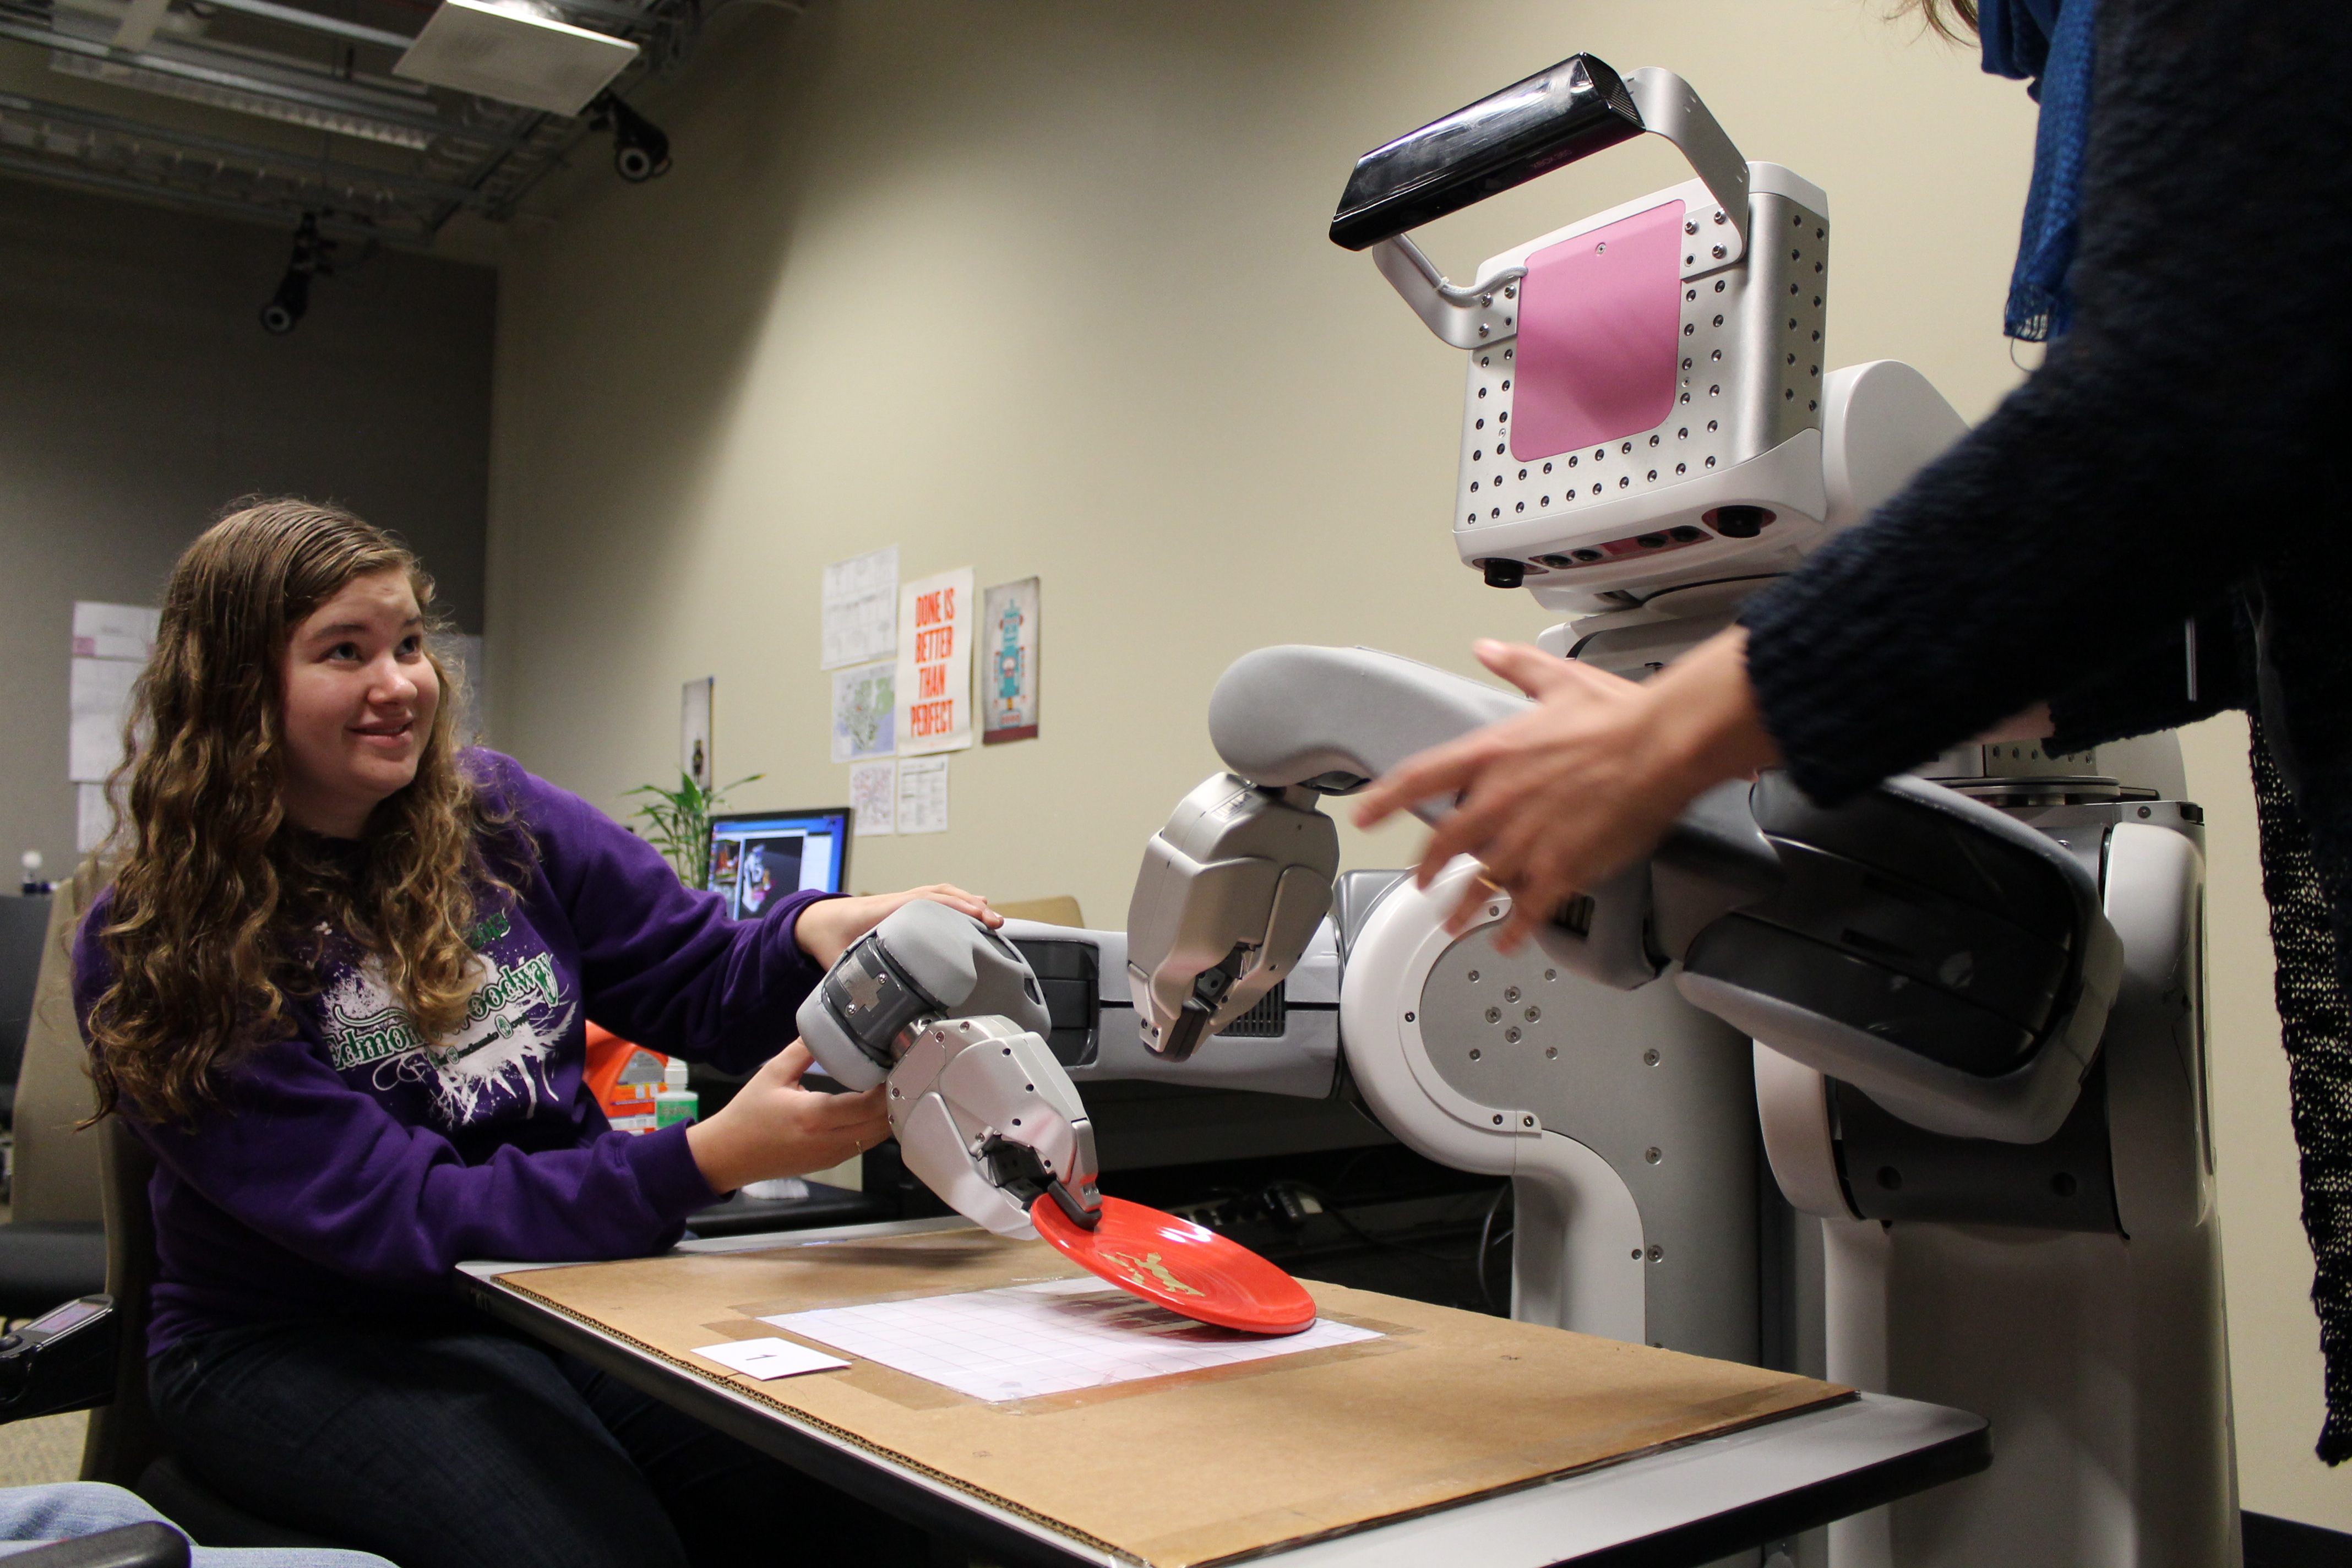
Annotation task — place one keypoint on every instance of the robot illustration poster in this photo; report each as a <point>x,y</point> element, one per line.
<point>1008,652</point>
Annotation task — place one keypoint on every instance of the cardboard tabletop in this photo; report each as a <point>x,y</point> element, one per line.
<point>1201,1466</point>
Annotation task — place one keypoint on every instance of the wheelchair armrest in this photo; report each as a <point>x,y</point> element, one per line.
<point>63,1360</point>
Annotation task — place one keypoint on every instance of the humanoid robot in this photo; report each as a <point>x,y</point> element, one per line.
<point>1909,1094</point>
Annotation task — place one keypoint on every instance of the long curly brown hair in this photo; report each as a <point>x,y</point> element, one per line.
<point>222,907</point>
<point>1954,19</point>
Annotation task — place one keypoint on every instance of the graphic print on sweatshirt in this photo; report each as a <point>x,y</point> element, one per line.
<point>515,1021</point>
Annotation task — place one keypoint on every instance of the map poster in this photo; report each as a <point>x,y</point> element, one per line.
<point>936,616</point>
<point>1008,663</point>
<point>865,720</point>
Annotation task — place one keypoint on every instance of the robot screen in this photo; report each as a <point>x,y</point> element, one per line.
<point>1557,116</point>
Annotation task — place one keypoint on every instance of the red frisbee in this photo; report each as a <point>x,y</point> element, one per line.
<point>1181,1265</point>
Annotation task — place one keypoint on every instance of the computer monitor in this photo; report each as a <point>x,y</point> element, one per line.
<point>759,856</point>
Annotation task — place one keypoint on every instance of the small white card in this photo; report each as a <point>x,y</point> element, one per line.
<point>769,1358</point>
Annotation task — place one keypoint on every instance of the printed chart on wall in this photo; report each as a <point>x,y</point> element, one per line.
<point>934,680</point>
<point>111,646</point>
<point>874,797</point>
<point>922,794</point>
<point>861,608</point>
<point>1008,653</point>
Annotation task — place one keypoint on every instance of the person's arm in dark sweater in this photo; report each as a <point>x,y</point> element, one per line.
<point>2159,455</point>
<point>2153,689</point>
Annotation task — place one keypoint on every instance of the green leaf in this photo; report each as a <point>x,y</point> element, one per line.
<point>679,823</point>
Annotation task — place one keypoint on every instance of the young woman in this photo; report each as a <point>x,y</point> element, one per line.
<point>338,987</point>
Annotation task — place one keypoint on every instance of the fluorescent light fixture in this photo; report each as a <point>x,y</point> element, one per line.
<point>514,55</point>
<point>243,100</point>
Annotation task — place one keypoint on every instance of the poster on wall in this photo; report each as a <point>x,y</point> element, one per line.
<point>1008,663</point>
<point>874,797</point>
<point>934,680</point>
<point>114,631</point>
<point>98,694</point>
<point>111,646</point>
<point>923,795</point>
<point>860,608</point>
<point>864,711</point>
<point>694,730</point>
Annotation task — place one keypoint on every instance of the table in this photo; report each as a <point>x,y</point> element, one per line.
<point>1673,1508</point>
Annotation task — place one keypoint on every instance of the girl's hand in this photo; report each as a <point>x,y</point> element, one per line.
<point>1587,782</point>
<point>825,930</point>
<point>774,1128</point>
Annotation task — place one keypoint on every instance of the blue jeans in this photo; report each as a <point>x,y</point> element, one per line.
<point>470,1447</point>
<point>31,1515</point>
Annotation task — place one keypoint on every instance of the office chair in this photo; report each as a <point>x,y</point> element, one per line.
<point>54,1246</point>
<point>125,1445</point>
<point>23,924</point>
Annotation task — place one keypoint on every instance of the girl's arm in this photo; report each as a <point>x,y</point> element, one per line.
<point>661,965</point>
<point>327,1172</point>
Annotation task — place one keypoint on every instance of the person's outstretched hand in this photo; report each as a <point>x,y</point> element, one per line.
<point>828,928</point>
<point>1554,800</point>
<point>774,1128</point>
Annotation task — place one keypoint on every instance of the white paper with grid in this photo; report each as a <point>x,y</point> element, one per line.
<point>1029,1340</point>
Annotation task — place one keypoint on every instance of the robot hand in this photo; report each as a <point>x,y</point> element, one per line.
<point>948,1013</point>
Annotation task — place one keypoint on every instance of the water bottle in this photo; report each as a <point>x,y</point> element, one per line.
<point>675,1102</point>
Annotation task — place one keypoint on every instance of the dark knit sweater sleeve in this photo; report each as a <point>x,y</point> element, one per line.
<point>2156,458</point>
<point>2154,689</point>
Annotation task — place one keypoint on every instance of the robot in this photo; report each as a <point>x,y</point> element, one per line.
<point>1909,1094</point>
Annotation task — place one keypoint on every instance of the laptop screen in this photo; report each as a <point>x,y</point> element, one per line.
<point>757,857</point>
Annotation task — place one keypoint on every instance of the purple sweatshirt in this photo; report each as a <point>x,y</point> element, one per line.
<point>353,1167</point>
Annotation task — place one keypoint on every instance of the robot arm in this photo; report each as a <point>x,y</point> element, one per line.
<point>1947,960</point>
<point>1233,886</point>
<point>1231,890</point>
<point>948,1013</point>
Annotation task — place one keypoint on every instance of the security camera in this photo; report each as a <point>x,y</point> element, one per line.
<point>640,150</point>
<point>287,306</point>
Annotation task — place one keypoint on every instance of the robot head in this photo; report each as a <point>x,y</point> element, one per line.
<point>1647,415</point>
<point>1647,411</point>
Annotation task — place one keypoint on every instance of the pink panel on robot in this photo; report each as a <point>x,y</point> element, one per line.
<point>1598,316</point>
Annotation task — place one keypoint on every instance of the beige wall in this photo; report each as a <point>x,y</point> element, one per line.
<point>139,394</point>
<point>1042,287</point>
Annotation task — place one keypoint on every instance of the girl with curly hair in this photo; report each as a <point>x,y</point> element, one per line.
<point>338,987</point>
